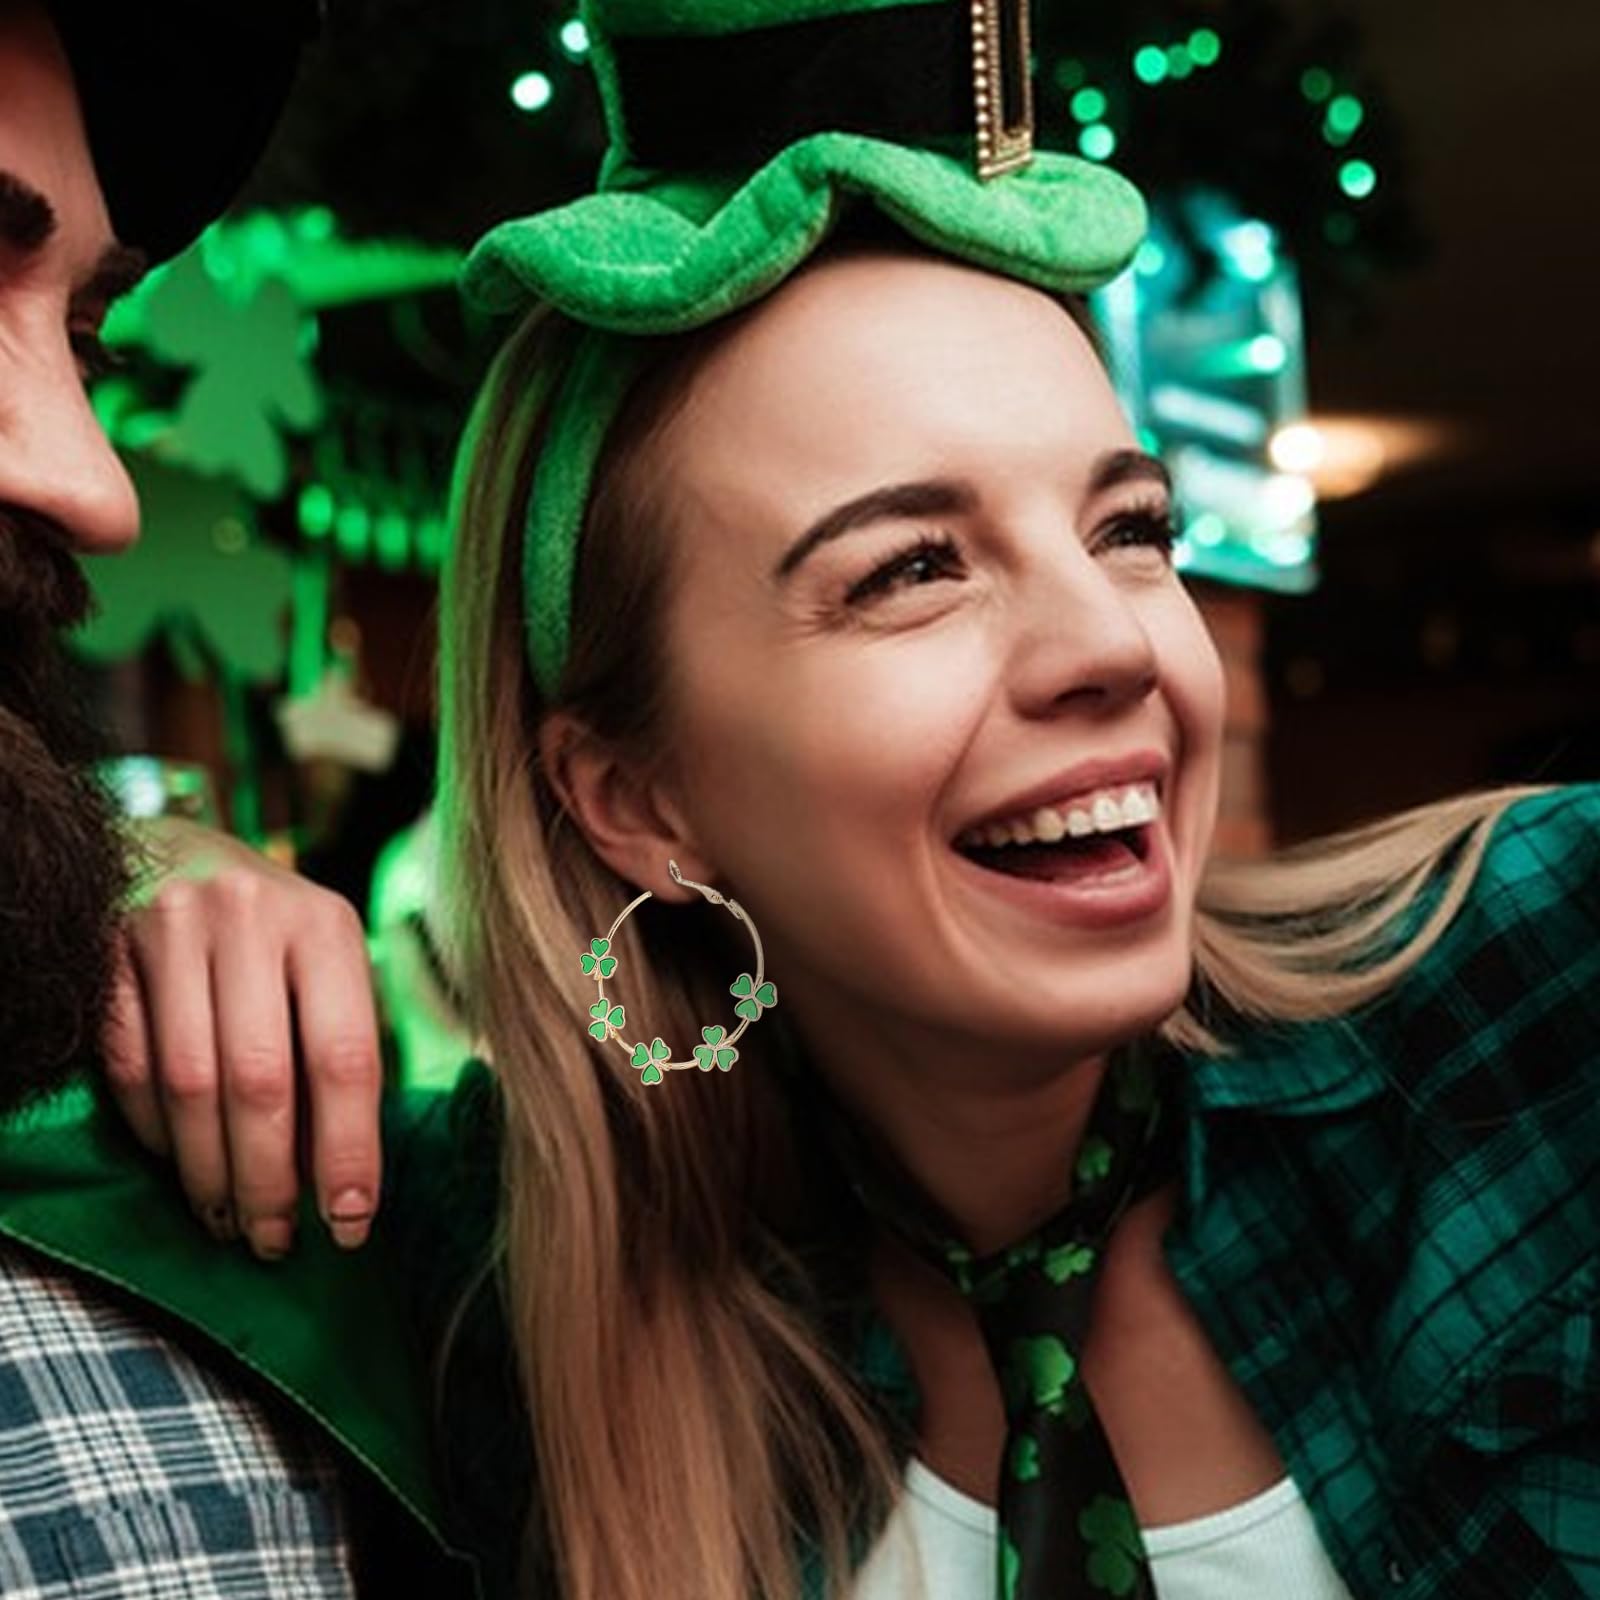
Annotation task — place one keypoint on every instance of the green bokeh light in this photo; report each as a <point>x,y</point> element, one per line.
<point>575,38</point>
<point>1205,45</point>
<point>352,529</point>
<point>1097,142</point>
<point>1316,84</point>
<point>531,91</point>
<point>1179,62</point>
<point>1346,114</point>
<point>1358,179</point>
<point>393,540</point>
<point>1089,105</point>
<point>1070,74</point>
<point>1150,64</point>
<point>316,511</point>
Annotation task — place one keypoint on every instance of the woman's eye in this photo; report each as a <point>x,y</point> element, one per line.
<point>930,557</point>
<point>1152,528</point>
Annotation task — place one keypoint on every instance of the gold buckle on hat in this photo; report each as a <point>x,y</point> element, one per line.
<point>1002,85</point>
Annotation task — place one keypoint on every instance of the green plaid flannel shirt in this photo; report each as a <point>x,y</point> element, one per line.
<point>1389,1228</point>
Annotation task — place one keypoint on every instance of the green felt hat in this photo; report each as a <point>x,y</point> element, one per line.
<point>740,131</point>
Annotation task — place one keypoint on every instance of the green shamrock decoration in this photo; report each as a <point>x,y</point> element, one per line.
<point>598,958</point>
<point>1094,1160</point>
<point>752,1001</point>
<point>713,1052</point>
<point>1115,1548</point>
<point>1068,1261</point>
<point>647,1055</point>
<point>1025,1458</point>
<point>1041,1367</point>
<point>607,1016</point>
<point>1010,1568</point>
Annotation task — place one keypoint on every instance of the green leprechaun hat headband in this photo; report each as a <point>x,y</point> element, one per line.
<point>740,130</point>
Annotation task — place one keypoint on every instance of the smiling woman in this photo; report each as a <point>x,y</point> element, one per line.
<point>874,623</point>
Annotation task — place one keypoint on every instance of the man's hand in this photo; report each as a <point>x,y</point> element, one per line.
<point>230,967</point>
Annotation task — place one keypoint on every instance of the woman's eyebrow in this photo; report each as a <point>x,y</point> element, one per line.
<point>1128,466</point>
<point>934,497</point>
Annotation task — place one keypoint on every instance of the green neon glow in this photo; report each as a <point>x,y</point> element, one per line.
<point>1205,45</point>
<point>316,511</point>
<point>392,536</point>
<point>1267,353</point>
<point>1097,142</point>
<point>575,38</point>
<point>1088,105</point>
<point>531,91</point>
<point>1150,260</point>
<point>1345,115</point>
<point>1316,84</point>
<point>1358,179</point>
<point>1150,64</point>
<point>352,529</point>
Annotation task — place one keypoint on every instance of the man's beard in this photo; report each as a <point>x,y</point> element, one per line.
<point>64,870</point>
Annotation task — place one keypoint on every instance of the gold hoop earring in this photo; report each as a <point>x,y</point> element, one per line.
<point>754,993</point>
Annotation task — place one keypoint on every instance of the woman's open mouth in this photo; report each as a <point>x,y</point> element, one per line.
<point>1100,860</point>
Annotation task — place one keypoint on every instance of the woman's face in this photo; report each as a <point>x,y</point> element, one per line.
<point>991,623</point>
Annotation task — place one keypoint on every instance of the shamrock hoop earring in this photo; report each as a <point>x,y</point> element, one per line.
<point>753,995</point>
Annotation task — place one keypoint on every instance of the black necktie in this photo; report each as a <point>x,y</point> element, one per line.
<point>1067,1525</point>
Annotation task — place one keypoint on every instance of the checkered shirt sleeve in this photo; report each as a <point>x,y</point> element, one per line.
<point>130,1470</point>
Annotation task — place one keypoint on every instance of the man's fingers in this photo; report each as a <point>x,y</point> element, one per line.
<point>332,985</point>
<point>127,1055</point>
<point>256,1059</point>
<point>174,974</point>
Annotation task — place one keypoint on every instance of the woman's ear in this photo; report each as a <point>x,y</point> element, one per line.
<point>627,816</point>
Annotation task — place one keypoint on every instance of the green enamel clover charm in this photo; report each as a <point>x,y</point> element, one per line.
<point>595,958</point>
<point>755,998</point>
<point>607,1017</point>
<point>754,993</point>
<point>650,1056</point>
<point>714,1053</point>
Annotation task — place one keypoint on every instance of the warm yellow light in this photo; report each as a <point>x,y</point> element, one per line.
<point>1300,447</point>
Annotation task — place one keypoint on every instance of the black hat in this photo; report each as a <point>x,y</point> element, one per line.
<point>179,98</point>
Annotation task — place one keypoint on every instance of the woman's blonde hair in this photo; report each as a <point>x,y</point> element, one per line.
<point>689,1421</point>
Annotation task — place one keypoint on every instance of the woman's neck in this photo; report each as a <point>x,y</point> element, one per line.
<point>992,1144</point>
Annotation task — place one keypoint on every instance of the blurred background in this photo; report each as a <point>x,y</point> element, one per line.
<point>1362,334</point>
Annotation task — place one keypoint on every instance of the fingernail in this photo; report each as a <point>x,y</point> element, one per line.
<point>349,1235</point>
<point>351,1205</point>
<point>272,1238</point>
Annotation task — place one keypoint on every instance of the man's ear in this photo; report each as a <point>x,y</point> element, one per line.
<point>629,819</point>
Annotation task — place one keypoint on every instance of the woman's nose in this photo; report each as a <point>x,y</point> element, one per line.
<point>55,459</point>
<point>1079,637</point>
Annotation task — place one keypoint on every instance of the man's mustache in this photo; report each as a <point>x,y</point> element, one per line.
<point>40,581</point>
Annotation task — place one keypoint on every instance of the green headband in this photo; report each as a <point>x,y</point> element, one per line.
<point>716,187</point>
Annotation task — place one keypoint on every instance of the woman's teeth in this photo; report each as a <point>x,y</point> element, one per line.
<point>1103,811</point>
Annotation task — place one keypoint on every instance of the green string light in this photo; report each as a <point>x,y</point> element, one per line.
<point>1316,84</point>
<point>351,529</point>
<point>1179,62</point>
<point>1150,64</point>
<point>392,536</point>
<point>1205,45</point>
<point>1097,142</point>
<point>1089,105</point>
<point>1346,114</point>
<point>316,511</point>
<point>575,38</point>
<point>531,91</point>
<point>1358,179</point>
<point>1070,74</point>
